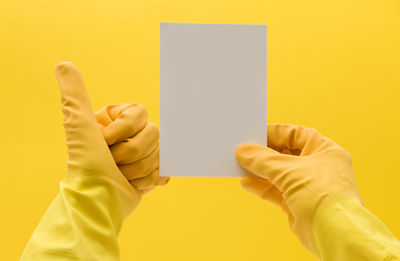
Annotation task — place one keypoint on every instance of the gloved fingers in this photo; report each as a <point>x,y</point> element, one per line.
<point>149,182</point>
<point>142,167</point>
<point>106,115</point>
<point>164,181</point>
<point>267,163</point>
<point>137,147</point>
<point>295,140</point>
<point>262,188</point>
<point>81,129</point>
<point>127,120</point>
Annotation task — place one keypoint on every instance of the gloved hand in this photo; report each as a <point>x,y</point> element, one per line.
<point>133,143</point>
<point>84,220</point>
<point>310,177</point>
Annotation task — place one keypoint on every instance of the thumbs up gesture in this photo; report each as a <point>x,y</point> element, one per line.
<point>112,160</point>
<point>133,142</point>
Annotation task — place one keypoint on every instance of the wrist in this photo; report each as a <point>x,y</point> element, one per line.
<point>102,194</point>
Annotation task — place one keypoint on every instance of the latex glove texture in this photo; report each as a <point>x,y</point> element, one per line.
<point>311,178</point>
<point>84,220</point>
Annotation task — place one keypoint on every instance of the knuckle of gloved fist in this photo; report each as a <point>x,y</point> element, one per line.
<point>153,127</point>
<point>340,153</point>
<point>141,108</point>
<point>153,130</point>
<point>137,108</point>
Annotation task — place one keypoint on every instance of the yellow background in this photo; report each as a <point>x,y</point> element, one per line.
<point>332,65</point>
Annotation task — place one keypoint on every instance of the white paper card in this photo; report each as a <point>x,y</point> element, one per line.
<point>212,96</point>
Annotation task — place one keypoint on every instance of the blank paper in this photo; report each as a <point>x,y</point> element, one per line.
<point>212,96</point>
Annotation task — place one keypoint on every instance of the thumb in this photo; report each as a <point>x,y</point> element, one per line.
<point>267,163</point>
<point>83,136</point>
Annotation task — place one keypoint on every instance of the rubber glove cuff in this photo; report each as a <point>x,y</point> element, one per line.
<point>347,229</point>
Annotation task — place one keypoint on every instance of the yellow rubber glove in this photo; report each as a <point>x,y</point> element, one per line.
<point>311,178</point>
<point>84,220</point>
<point>133,143</point>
